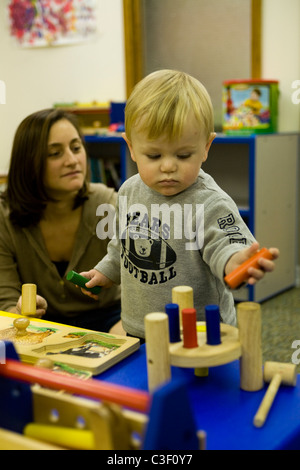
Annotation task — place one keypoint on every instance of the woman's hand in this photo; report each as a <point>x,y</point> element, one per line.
<point>41,307</point>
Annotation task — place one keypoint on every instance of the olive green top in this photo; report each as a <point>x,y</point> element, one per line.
<point>24,259</point>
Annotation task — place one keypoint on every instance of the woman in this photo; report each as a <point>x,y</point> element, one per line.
<point>48,224</point>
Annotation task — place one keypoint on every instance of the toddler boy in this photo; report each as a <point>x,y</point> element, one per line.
<point>175,225</point>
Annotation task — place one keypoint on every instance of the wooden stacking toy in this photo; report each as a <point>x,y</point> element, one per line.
<point>200,345</point>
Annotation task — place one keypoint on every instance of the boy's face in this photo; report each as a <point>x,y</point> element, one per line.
<point>170,166</point>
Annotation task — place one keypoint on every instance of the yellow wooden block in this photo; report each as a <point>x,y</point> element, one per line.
<point>79,439</point>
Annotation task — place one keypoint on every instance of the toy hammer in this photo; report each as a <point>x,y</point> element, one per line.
<point>275,373</point>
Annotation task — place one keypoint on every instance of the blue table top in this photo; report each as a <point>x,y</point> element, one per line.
<point>221,408</point>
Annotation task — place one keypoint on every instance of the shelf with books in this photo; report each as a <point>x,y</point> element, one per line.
<point>109,159</point>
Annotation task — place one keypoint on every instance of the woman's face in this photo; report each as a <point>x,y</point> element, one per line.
<point>66,163</point>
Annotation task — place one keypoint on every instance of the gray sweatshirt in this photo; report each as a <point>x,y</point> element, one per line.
<point>167,241</point>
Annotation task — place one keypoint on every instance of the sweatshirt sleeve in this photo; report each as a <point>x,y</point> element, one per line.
<point>110,264</point>
<point>225,234</point>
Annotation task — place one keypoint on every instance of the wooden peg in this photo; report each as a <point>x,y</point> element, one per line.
<point>213,328</point>
<point>276,373</point>
<point>240,274</point>
<point>249,324</point>
<point>44,363</point>
<point>184,297</point>
<point>172,310</point>
<point>189,328</point>
<point>157,349</point>
<point>21,324</point>
<point>202,438</point>
<point>28,300</point>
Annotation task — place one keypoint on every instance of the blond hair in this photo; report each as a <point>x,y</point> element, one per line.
<point>160,103</point>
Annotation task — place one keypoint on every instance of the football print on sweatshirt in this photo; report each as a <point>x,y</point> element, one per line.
<point>146,249</point>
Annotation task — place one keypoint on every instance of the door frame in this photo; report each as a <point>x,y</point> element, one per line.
<point>133,41</point>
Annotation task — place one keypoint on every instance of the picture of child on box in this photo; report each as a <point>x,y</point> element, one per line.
<point>249,106</point>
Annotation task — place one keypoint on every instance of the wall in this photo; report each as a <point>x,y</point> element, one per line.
<point>281,55</point>
<point>211,41</point>
<point>37,78</point>
<point>216,37</point>
<point>281,60</point>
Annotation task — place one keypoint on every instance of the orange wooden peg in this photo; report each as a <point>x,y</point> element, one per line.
<point>240,274</point>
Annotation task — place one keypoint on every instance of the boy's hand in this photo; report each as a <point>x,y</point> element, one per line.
<point>96,279</point>
<point>254,273</point>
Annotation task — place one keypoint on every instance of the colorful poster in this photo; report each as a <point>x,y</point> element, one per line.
<point>36,23</point>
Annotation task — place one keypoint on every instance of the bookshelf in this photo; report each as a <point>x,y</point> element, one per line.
<point>110,161</point>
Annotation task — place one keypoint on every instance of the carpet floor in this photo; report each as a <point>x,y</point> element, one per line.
<point>281,327</point>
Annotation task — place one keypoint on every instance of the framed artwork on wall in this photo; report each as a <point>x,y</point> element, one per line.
<point>38,23</point>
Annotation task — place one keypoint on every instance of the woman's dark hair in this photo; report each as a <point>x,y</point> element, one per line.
<point>25,192</point>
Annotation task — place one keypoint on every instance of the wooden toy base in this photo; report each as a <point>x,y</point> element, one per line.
<point>85,350</point>
<point>205,355</point>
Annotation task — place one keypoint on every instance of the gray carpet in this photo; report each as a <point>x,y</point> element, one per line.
<point>281,327</point>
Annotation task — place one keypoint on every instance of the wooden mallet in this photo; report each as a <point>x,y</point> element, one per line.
<point>276,373</point>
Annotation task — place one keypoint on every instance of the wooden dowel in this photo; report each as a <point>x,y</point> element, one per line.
<point>131,398</point>
<point>157,349</point>
<point>189,328</point>
<point>184,297</point>
<point>240,274</point>
<point>213,327</point>
<point>202,437</point>
<point>249,324</point>
<point>28,300</point>
<point>172,310</point>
